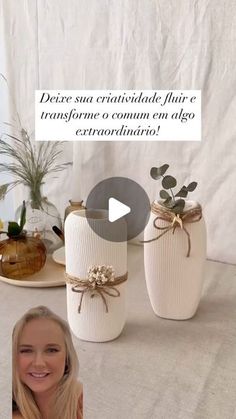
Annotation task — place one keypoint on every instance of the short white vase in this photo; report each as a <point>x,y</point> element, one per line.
<point>83,249</point>
<point>174,281</point>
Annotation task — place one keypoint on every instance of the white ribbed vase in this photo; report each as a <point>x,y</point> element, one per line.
<point>84,248</point>
<point>174,281</point>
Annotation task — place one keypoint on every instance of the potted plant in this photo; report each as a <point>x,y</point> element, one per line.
<point>29,165</point>
<point>174,249</point>
<point>20,256</point>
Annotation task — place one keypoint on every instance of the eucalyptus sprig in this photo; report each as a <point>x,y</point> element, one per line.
<point>167,193</point>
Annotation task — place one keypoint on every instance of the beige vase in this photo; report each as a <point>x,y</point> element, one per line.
<point>174,280</point>
<point>83,249</point>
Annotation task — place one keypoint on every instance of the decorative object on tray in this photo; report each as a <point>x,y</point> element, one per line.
<point>59,233</point>
<point>59,254</point>
<point>20,256</point>
<point>174,250</point>
<point>30,164</point>
<point>74,206</point>
<point>51,275</point>
<point>96,273</point>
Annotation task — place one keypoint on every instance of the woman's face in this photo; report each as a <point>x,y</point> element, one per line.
<point>41,355</point>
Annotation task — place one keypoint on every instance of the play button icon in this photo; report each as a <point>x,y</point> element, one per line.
<point>116,210</point>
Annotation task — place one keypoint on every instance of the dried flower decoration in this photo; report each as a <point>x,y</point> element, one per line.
<point>100,275</point>
<point>29,163</point>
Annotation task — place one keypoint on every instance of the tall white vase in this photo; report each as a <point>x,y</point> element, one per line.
<point>84,248</point>
<point>174,281</point>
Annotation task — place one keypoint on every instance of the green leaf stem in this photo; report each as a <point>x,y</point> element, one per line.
<point>192,186</point>
<point>157,172</point>
<point>13,229</point>
<point>168,183</point>
<point>23,216</point>
<point>164,194</point>
<point>183,192</point>
<point>178,206</point>
<point>3,190</point>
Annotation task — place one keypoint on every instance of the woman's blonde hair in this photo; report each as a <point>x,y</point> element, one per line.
<point>66,403</point>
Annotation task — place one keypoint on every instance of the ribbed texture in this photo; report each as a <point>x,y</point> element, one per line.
<point>174,282</point>
<point>84,248</point>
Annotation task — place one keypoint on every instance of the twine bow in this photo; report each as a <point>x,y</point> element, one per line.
<point>192,215</point>
<point>101,280</point>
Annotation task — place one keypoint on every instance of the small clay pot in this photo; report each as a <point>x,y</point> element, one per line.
<point>74,206</point>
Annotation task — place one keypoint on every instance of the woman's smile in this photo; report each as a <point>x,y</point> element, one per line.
<point>37,375</point>
<point>41,355</point>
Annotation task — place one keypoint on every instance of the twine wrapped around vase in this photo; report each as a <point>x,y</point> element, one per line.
<point>101,280</point>
<point>192,215</point>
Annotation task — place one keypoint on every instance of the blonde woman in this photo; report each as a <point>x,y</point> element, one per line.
<point>45,368</point>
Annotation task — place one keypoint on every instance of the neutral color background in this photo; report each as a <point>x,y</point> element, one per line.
<point>135,44</point>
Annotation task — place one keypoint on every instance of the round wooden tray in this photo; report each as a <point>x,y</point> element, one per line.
<point>52,275</point>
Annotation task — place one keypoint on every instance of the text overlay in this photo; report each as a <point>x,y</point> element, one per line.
<point>118,115</point>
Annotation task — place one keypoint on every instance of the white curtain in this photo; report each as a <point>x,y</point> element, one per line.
<point>136,44</point>
<point>6,205</point>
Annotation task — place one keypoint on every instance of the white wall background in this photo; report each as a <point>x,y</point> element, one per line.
<point>135,44</point>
